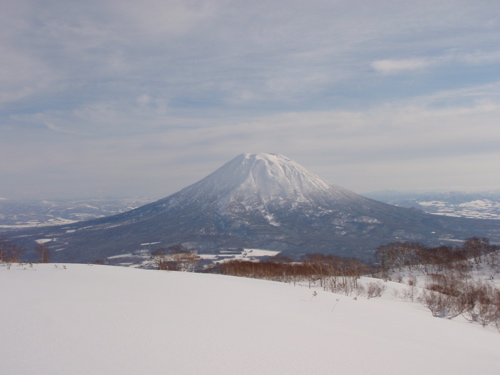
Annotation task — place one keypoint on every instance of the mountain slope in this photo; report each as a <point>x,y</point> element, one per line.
<point>115,320</point>
<point>261,201</point>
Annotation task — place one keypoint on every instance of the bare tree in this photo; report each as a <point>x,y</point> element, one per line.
<point>9,251</point>
<point>44,253</point>
<point>175,259</point>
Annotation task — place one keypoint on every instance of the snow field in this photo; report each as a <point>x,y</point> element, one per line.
<point>117,320</point>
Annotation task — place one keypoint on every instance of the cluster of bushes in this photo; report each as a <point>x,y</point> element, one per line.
<point>175,258</point>
<point>331,272</point>
<point>276,271</point>
<point>415,256</point>
<point>9,251</point>
<point>450,296</point>
<point>451,289</point>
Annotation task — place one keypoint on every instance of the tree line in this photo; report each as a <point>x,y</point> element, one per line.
<point>451,289</point>
<point>398,255</point>
<point>331,272</point>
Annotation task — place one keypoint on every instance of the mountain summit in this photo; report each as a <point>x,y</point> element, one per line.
<point>251,180</point>
<point>259,201</point>
<point>266,177</point>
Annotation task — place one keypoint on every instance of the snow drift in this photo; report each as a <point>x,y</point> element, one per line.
<point>79,319</point>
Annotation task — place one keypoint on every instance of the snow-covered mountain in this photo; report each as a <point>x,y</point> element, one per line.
<point>261,182</point>
<point>481,205</point>
<point>36,213</point>
<point>258,201</point>
<point>251,179</point>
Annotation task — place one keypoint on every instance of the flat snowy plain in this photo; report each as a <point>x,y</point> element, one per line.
<point>80,319</point>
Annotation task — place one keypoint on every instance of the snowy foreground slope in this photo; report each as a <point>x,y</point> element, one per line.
<point>114,320</point>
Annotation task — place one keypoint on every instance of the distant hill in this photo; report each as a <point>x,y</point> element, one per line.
<point>36,213</point>
<point>483,205</point>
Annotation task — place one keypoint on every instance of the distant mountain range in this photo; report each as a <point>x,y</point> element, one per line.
<point>255,201</point>
<point>15,214</point>
<point>35,213</point>
<point>482,205</point>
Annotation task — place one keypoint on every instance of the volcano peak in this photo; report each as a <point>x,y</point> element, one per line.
<point>263,177</point>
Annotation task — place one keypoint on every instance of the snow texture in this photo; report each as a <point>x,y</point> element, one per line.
<point>261,178</point>
<point>80,319</point>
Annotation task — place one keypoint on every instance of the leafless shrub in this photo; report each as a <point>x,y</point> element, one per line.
<point>397,255</point>
<point>451,296</point>
<point>360,290</point>
<point>493,260</point>
<point>44,253</point>
<point>412,281</point>
<point>446,295</point>
<point>175,260</point>
<point>9,251</point>
<point>409,294</point>
<point>345,285</point>
<point>476,248</point>
<point>333,273</point>
<point>436,302</point>
<point>375,289</point>
<point>483,304</point>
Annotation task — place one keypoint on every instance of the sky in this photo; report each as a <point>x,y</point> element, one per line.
<point>123,98</point>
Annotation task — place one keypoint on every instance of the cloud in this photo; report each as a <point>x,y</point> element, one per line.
<point>405,145</point>
<point>400,66</point>
<point>163,92</point>
<point>155,17</point>
<point>449,58</point>
<point>481,57</point>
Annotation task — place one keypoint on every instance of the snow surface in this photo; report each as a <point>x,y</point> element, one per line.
<point>43,240</point>
<point>240,254</point>
<point>267,177</point>
<point>35,223</point>
<point>79,319</point>
<point>476,209</point>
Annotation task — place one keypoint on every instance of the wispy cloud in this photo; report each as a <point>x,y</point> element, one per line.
<point>99,86</point>
<point>400,66</point>
<point>449,58</point>
<point>481,57</point>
